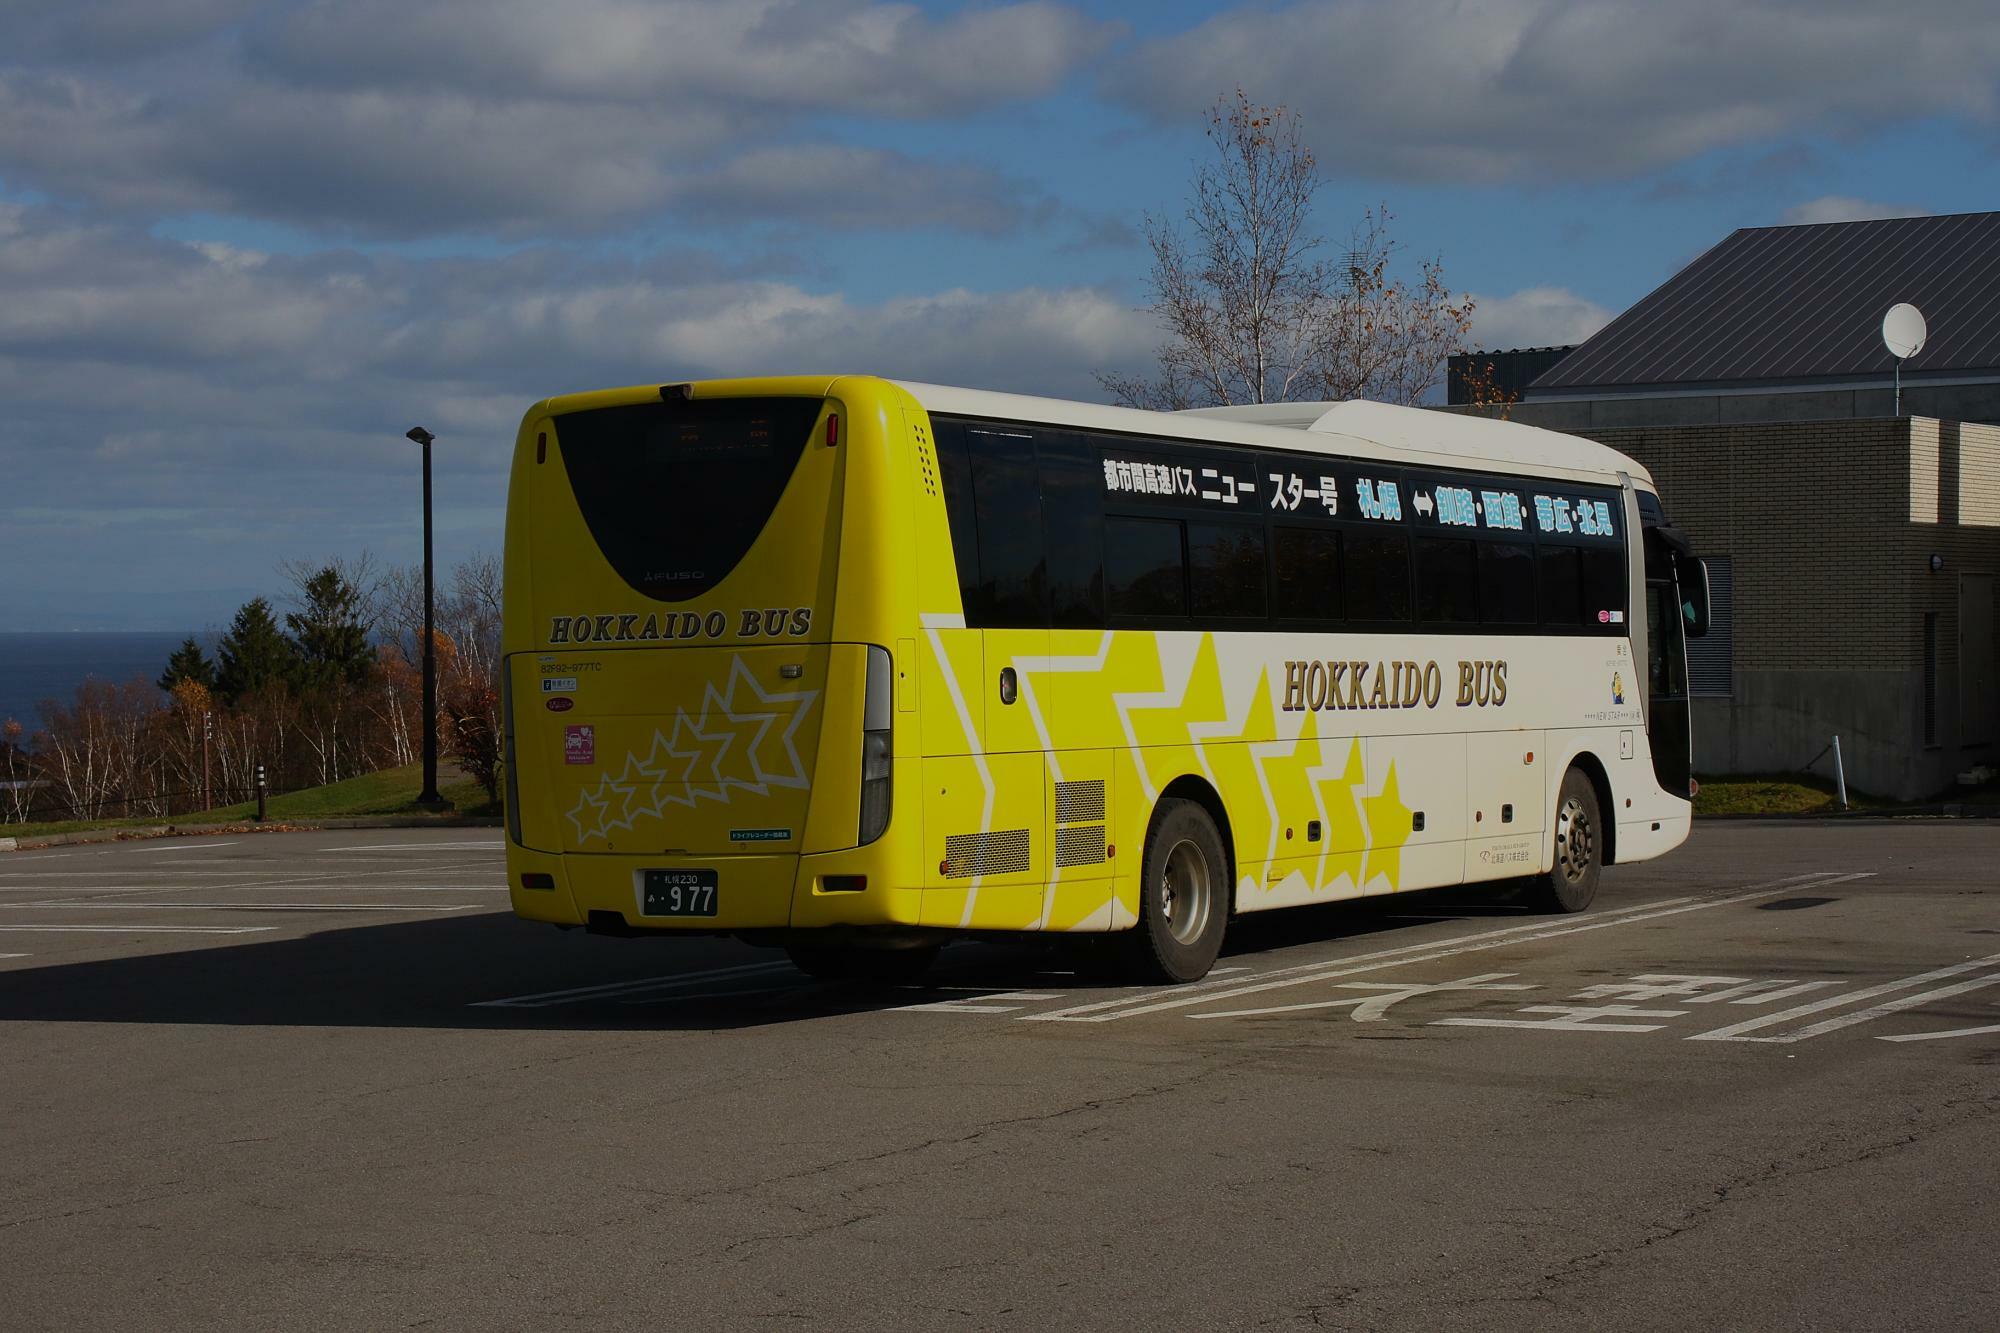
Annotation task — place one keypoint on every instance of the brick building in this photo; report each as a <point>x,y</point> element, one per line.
<point>1853,569</point>
<point>1853,552</point>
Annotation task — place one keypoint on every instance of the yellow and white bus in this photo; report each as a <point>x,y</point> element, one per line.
<point>856,667</point>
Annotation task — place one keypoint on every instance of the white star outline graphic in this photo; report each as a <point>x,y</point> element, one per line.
<point>673,772</point>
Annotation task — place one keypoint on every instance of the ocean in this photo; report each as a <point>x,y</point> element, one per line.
<point>34,667</point>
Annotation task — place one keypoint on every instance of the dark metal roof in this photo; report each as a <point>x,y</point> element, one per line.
<point>1799,304</point>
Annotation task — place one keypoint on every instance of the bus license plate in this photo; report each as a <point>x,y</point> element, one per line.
<point>679,893</point>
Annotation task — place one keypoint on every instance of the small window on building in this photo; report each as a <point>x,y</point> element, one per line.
<point>1711,656</point>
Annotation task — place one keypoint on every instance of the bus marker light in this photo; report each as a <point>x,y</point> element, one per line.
<point>1110,851</point>
<point>832,431</point>
<point>1528,758</point>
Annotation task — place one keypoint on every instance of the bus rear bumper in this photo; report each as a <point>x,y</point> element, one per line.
<point>752,893</point>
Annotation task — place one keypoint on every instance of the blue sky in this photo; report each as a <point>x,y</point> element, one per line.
<point>245,244</point>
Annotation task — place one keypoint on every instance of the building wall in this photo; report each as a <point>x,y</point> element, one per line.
<point>1951,402</point>
<point>1831,525</point>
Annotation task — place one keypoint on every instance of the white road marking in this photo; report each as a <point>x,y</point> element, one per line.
<point>1887,1007</point>
<point>1735,1031</point>
<point>579,994</point>
<point>1576,1018</point>
<point>202,846</point>
<point>128,905</point>
<point>1761,992</point>
<point>140,930</point>
<point>1904,1036</point>
<point>979,1004</point>
<point>414,847</point>
<point>1133,1006</point>
<point>1375,1008</point>
<point>16,955</point>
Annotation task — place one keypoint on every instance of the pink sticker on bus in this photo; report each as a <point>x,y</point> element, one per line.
<point>579,745</point>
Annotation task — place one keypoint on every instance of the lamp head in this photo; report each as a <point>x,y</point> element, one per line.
<point>419,434</point>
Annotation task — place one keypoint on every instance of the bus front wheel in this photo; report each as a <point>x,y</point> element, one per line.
<point>1571,880</point>
<point>1184,895</point>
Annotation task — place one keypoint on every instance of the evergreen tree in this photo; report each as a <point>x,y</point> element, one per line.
<point>188,663</point>
<point>328,637</point>
<point>253,654</point>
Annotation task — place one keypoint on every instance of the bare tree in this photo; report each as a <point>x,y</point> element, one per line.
<point>1254,308</point>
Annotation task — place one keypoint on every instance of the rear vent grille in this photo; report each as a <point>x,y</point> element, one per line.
<point>1080,846</point>
<point>1079,801</point>
<point>1004,852</point>
<point>926,461</point>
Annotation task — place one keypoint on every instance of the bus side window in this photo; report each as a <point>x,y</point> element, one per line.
<point>1447,581</point>
<point>1145,567</point>
<point>1073,529</point>
<point>1007,510</point>
<point>1506,583</point>
<point>1561,579</point>
<point>1306,569</point>
<point>1603,586</point>
<point>1227,571</point>
<point>955,471</point>
<point>1375,575</point>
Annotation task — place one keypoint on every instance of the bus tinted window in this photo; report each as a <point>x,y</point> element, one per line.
<point>1144,571</point>
<point>1375,575</point>
<point>1506,584</point>
<point>1447,581</point>
<point>1306,564</point>
<point>1561,581</point>
<point>955,471</point>
<point>1226,570</point>
<point>674,492</point>
<point>1603,588</point>
<point>1007,510</point>
<point>1073,530</point>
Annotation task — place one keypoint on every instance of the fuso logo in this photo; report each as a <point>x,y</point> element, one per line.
<point>579,745</point>
<point>561,703</point>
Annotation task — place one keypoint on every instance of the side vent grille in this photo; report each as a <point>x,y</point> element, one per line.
<point>1080,846</point>
<point>1004,852</point>
<point>1077,802</point>
<point>926,461</point>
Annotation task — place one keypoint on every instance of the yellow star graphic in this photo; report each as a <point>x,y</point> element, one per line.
<point>1388,829</point>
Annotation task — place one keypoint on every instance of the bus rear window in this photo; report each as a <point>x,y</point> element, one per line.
<point>675,492</point>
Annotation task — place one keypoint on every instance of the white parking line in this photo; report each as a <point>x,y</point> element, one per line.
<point>127,905</point>
<point>140,930</point>
<point>1133,1006</point>
<point>1904,1036</point>
<point>1735,1031</point>
<point>610,989</point>
<point>415,847</point>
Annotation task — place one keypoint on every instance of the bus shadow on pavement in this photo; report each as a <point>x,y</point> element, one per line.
<point>489,971</point>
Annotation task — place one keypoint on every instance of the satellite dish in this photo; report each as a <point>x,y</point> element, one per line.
<point>1903,330</point>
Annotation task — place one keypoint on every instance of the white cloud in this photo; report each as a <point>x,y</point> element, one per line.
<point>1535,317</point>
<point>1493,90</point>
<point>179,409</point>
<point>385,118</point>
<point>1846,208</point>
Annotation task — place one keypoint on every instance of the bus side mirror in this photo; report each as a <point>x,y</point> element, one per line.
<point>1691,576</point>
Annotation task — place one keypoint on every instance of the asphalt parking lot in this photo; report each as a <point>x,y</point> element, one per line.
<point>324,1080</point>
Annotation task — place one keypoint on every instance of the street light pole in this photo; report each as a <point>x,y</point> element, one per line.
<point>428,798</point>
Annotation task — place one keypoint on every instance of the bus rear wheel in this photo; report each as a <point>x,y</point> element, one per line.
<point>865,967</point>
<point>1184,894</point>
<point>1571,880</point>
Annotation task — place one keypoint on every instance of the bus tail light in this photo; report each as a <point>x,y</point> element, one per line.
<point>878,714</point>
<point>511,771</point>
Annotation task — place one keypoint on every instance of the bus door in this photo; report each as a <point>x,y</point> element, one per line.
<point>986,820</point>
<point>1676,607</point>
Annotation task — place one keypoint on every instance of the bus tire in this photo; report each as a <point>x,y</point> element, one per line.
<point>1184,897</point>
<point>866,967</point>
<point>1571,881</point>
